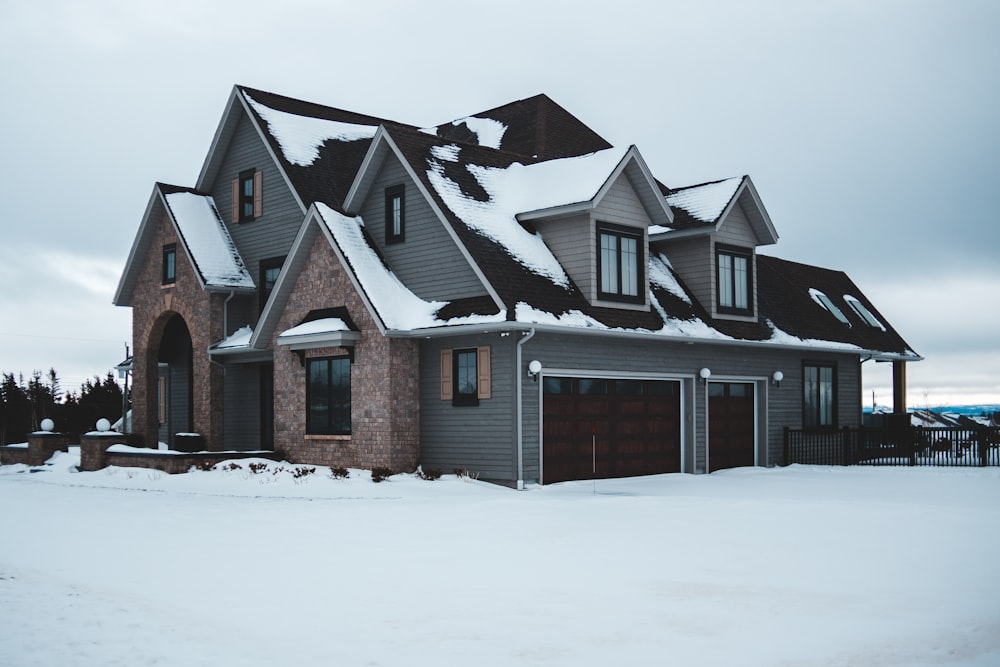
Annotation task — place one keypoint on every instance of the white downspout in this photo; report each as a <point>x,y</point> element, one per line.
<point>520,395</point>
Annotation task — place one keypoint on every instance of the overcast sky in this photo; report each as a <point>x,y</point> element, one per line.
<point>871,130</point>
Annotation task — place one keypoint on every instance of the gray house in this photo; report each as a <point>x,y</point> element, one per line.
<point>505,294</point>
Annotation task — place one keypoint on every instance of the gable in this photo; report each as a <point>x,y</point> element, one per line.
<point>426,259</point>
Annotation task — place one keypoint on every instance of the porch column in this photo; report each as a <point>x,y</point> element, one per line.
<point>898,386</point>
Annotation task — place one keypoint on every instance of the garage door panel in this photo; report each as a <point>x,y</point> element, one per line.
<point>623,428</point>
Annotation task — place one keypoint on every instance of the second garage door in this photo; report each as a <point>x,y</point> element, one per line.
<point>598,428</point>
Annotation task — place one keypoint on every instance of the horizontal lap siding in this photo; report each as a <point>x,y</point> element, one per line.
<point>480,439</point>
<point>427,261</point>
<point>621,206</point>
<point>270,235</point>
<point>571,240</point>
<point>691,259</point>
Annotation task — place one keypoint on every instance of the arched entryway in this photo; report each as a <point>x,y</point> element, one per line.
<point>175,381</point>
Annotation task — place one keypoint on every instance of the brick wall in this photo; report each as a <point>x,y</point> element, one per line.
<point>153,306</point>
<point>385,412</point>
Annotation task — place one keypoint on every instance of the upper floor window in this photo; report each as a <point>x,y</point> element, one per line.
<point>819,392</point>
<point>619,262</point>
<point>733,268</point>
<point>248,196</point>
<point>170,264</point>
<point>269,271</point>
<point>395,214</point>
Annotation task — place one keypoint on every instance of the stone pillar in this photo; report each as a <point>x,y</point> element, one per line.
<point>42,445</point>
<point>93,448</point>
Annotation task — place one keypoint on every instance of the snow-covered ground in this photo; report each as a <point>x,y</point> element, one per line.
<point>797,566</point>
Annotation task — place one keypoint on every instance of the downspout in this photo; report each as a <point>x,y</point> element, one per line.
<point>520,396</point>
<point>225,329</point>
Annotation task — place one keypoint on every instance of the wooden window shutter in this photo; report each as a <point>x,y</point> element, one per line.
<point>236,200</point>
<point>483,370</point>
<point>446,375</point>
<point>258,193</point>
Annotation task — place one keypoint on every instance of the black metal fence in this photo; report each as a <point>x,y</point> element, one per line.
<point>903,446</point>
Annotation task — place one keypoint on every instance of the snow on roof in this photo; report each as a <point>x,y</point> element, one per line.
<point>323,325</point>
<point>522,188</point>
<point>398,307</point>
<point>660,274</point>
<point>705,202</point>
<point>301,137</point>
<point>239,338</point>
<point>208,241</point>
<point>489,132</point>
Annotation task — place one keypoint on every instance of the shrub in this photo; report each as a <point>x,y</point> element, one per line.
<point>302,471</point>
<point>379,474</point>
<point>429,475</point>
<point>339,473</point>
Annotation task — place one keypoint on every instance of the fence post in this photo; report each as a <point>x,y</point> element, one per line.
<point>983,443</point>
<point>844,446</point>
<point>785,460</point>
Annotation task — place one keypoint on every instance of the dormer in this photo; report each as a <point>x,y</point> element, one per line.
<point>713,242</point>
<point>603,242</point>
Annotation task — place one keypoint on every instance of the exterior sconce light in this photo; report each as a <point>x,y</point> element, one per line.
<point>704,374</point>
<point>776,378</point>
<point>534,368</point>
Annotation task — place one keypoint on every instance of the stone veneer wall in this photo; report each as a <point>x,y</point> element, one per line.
<point>153,305</point>
<point>385,400</point>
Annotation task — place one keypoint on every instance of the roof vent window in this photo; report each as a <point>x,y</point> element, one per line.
<point>825,302</point>
<point>863,312</point>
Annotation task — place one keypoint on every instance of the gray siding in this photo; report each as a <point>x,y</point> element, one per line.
<point>482,438</point>
<point>571,240</point>
<point>270,235</point>
<point>736,230</point>
<point>692,260</point>
<point>621,206</point>
<point>427,261</point>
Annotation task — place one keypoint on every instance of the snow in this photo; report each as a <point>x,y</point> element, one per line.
<point>523,188</point>
<point>322,325</point>
<point>706,202</point>
<point>398,307</point>
<point>661,274</point>
<point>300,137</point>
<point>207,240</point>
<point>489,132</point>
<point>239,338</point>
<point>815,566</point>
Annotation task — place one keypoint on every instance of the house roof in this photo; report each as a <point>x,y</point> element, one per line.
<point>488,176</point>
<point>200,230</point>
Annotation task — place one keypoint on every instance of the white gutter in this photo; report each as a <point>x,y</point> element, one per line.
<point>520,425</point>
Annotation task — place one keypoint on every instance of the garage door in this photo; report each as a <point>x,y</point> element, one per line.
<point>598,428</point>
<point>731,427</point>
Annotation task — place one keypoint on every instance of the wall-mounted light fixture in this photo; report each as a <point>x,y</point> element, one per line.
<point>776,378</point>
<point>534,368</point>
<point>704,374</point>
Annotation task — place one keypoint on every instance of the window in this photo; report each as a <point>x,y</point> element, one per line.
<point>819,402</point>
<point>328,396</point>
<point>269,271</point>
<point>863,312</point>
<point>734,280</point>
<point>248,196</point>
<point>465,375</point>
<point>619,262</point>
<point>395,214</point>
<point>829,306</point>
<point>170,264</point>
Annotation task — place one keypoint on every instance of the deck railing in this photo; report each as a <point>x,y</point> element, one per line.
<point>908,445</point>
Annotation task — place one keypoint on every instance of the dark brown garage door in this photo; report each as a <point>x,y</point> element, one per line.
<point>598,428</point>
<point>730,425</point>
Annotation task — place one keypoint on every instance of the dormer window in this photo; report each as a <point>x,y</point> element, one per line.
<point>619,263</point>
<point>733,269</point>
<point>395,214</point>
